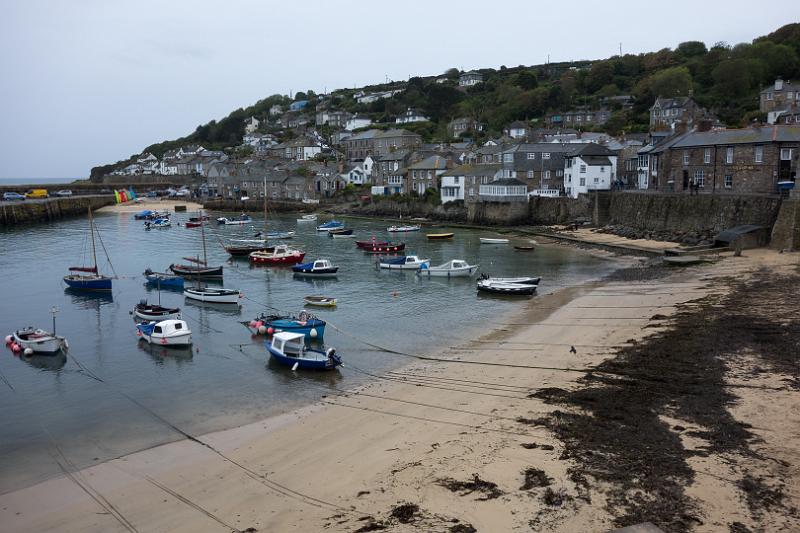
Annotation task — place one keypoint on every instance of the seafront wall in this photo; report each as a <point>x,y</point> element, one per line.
<point>32,211</point>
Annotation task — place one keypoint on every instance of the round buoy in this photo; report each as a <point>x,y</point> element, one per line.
<point>253,324</point>
<point>9,339</point>
<point>16,348</point>
<point>270,331</point>
<point>262,329</point>
<point>313,333</point>
<point>28,351</point>
<point>258,324</point>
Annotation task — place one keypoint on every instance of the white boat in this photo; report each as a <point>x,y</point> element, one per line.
<point>404,262</point>
<point>488,240</point>
<point>165,333</point>
<point>149,312</point>
<point>522,280</point>
<point>38,340</point>
<point>213,295</point>
<point>455,268</point>
<point>402,229</point>
<point>498,287</point>
<point>307,218</point>
<point>235,221</point>
<point>320,301</point>
<point>289,349</point>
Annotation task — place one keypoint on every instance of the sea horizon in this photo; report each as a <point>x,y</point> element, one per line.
<point>36,181</point>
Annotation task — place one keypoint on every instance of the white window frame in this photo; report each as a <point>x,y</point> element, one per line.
<point>685,157</point>
<point>759,154</point>
<point>786,154</point>
<point>728,181</point>
<point>583,169</point>
<point>729,155</point>
<point>707,156</point>
<point>700,178</point>
<point>546,155</point>
<point>531,155</point>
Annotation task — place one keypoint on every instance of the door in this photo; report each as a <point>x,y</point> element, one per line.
<point>685,179</point>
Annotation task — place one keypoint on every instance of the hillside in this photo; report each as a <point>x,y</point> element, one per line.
<point>725,79</point>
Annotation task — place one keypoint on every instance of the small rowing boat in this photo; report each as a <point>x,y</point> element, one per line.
<point>455,268</point>
<point>498,287</point>
<point>148,312</point>
<point>402,229</point>
<point>333,224</point>
<point>403,262</point>
<point>36,340</point>
<point>165,333</point>
<point>489,240</point>
<point>320,301</point>
<point>235,221</point>
<point>307,218</point>
<point>213,295</point>
<point>524,247</point>
<point>439,236</point>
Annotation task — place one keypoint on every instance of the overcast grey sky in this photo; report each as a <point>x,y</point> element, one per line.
<point>89,82</point>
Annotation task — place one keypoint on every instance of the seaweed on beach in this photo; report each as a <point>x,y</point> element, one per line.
<point>489,490</point>
<point>649,271</point>
<point>535,478</point>
<point>759,495</point>
<point>404,512</point>
<point>463,528</point>
<point>612,427</point>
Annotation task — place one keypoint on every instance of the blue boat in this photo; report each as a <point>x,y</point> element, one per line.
<point>320,267</point>
<point>290,349</point>
<point>305,323</point>
<point>164,280</point>
<point>333,224</point>
<point>143,215</point>
<point>87,278</point>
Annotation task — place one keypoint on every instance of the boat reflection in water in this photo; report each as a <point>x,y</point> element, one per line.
<point>52,363</point>
<point>88,299</point>
<point>163,354</point>
<point>206,308</point>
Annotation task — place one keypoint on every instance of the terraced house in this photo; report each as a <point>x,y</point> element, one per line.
<point>759,159</point>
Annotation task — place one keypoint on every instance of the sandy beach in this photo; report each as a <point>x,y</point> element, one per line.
<point>480,437</point>
<point>161,204</point>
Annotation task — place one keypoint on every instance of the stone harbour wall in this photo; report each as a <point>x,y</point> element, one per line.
<point>46,210</point>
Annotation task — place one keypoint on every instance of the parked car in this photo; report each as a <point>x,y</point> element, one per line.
<point>11,196</point>
<point>37,193</point>
<point>64,192</point>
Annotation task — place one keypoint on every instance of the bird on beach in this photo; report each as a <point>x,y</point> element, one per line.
<point>572,349</point>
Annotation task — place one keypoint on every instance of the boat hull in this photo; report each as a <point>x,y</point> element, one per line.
<point>386,249</point>
<point>402,229</point>
<point>439,236</point>
<point>149,314</point>
<point>433,272</point>
<point>164,280</point>
<point>304,363</point>
<point>297,326</point>
<point>88,283</point>
<point>184,339</point>
<point>485,240</point>
<point>370,244</point>
<point>290,259</point>
<point>320,301</point>
<point>511,289</point>
<point>47,343</point>
<point>189,271</point>
<point>219,296</point>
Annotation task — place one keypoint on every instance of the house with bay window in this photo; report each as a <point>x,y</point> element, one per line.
<point>589,167</point>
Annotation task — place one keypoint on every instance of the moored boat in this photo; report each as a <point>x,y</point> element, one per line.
<point>162,279</point>
<point>389,247</point>
<point>341,232</point>
<point>439,236</point>
<point>165,332</point>
<point>36,340</point>
<point>524,247</point>
<point>454,268</point>
<point>290,349</point>
<point>490,240</point>
<point>403,262</point>
<point>157,223</point>
<point>304,323</point>
<point>319,268</point>
<point>199,269</point>
<point>320,301</point>
<point>307,218</point>
<point>89,278</point>
<point>212,295</point>
<point>193,224</point>
<point>523,280</point>
<point>279,255</point>
<point>370,244</point>
<point>333,224</point>
<point>235,221</point>
<point>403,229</point>
<point>148,312</point>
<point>499,287</point>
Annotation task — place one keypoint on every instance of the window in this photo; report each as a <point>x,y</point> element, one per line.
<point>547,174</point>
<point>413,173</point>
<point>472,191</point>
<point>559,173</point>
<point>769,96</point>
<point>686,157</point>
<point>728,181</point>
<point>729,155</point>
<point>759,153</point>
<point>707,155</point>
<point>531,155</point>
<point>583,169</point>
<point>508,158</point>
<point>569,162</point>
<point>530,173</point>
<point>456,180</point>
<point>786,154</point>
<point>700,178</point>
<point>602,169</point>
<point>546,155</point>
<point>789,95</point>
<point>583,182</point>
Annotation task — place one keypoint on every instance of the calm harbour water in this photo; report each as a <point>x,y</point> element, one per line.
<point>219,384</point>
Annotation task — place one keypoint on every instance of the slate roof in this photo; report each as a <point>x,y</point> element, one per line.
<point>434,162</point>
<point>507,181</point>
<point>764,134</point>
<point>596,161</point>
<point>473,170</point>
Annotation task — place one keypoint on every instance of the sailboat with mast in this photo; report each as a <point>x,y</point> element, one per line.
<point>198,268</point>
<point>244,247</point>
<point>88,278</point>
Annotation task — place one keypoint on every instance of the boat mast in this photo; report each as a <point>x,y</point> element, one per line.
<point>265,209</point>
<point>203,234</point>
<point>94,250</point>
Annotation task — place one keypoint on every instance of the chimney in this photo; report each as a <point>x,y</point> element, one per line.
<point>679,127</point>
<point>341,167</point>
<point>704,125</point>
<point>779,84</point>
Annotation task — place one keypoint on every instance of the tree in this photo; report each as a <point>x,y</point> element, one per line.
<point>452,74</point>
<point>691,49</point>
<point>675,81</point>
<point>300,95</point>
<point>601,74</point>
<point>527,80</point>
<point>732,78</point>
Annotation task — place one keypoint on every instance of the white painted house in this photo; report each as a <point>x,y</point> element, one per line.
<point>355,175</point>
<point>251,124</point>
<point>591,167</point>
<point>357,121</point>
<point>411,115</point>
<point>468,79</point>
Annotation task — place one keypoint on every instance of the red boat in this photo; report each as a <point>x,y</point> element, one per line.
<point>370,244</point>
<point>193,224</point>
<point>385,248</point>
<point>280,255</point>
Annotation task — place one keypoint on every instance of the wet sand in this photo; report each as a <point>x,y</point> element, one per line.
<point>452,446</point>
<point>153,205</point>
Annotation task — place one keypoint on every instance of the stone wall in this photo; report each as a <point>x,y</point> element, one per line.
<point>561,210</point>
<point>256,205</point>
<point>682,212</point>
<point>498,213</point>
<point>31,211</point>
<point>786,232</point>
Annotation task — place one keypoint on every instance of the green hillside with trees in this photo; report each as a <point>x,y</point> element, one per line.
<point>724,78</point>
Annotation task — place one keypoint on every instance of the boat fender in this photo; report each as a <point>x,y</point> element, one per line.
<point>163,341</point>
<point>270,330</point>
<point>262,329</point>
<point>138,333</point>
<point>9,340</point>
<point>253,324</point>
<point>28,351</point>
<point>16,348</point>
<point>331,353</point>
<point>294,367</point>
<point>313,333</point>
